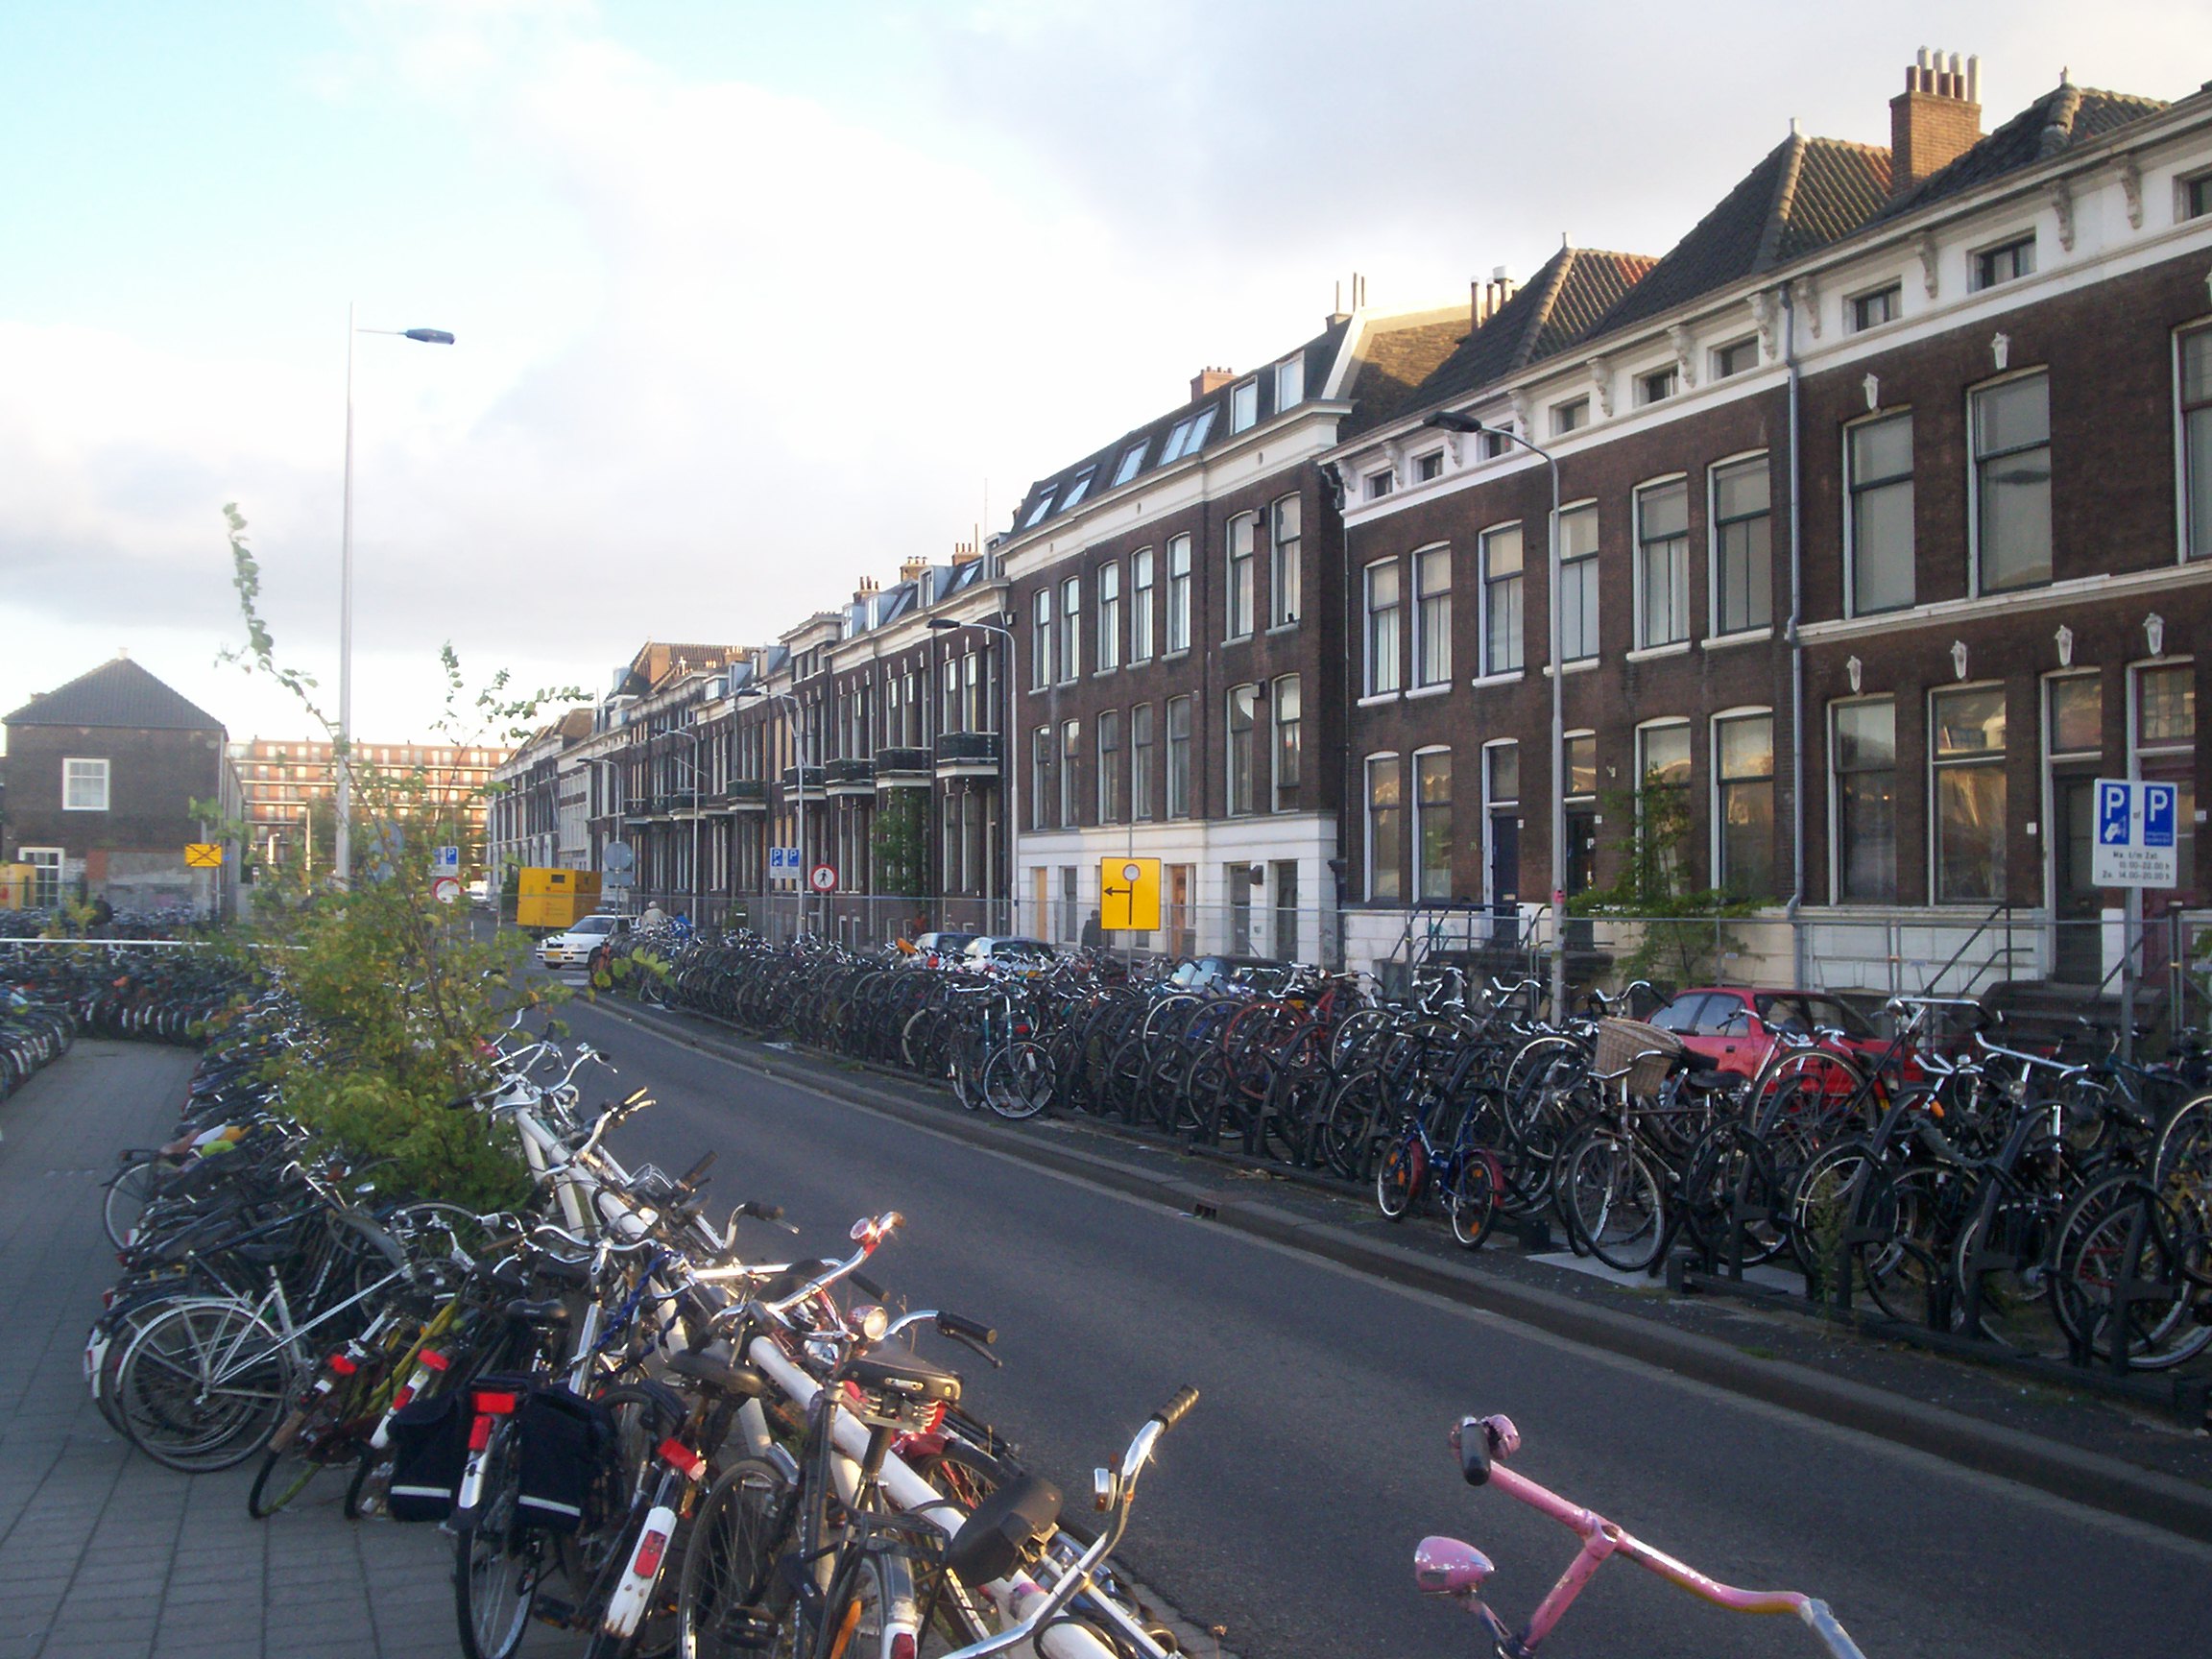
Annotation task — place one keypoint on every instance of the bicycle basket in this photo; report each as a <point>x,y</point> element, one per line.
<point>1651,1049</point>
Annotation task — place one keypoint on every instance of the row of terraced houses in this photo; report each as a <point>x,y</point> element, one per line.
<point>1884,507</point>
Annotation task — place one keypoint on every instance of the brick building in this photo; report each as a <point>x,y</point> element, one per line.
<point>291,790</point>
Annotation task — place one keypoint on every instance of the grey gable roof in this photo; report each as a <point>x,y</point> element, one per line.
<point>2062,118</point>
<point>118,693</point>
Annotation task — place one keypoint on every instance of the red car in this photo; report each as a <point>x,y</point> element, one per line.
<point>1736,1026</point>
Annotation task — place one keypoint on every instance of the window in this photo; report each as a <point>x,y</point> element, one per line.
<point>1077,489</point>
<point>2005,264</point>
<point>1040,641</point>
<point>2166,751</point>
<point>1110,779</point>
<point>1110,615</point>
<point>1663,793</point>
<point>1879,460</point>
<point>1432,826</point>
<point>1659,385</point>
<point>1862,746</point>
<point>1743,804</point>
<point>1379,485</point>
<point>1735,359</point>
<point>1070,773</point>
<point>1179,757</point>
<point>1140,606</point>
<point>1071,627</point>
<point>1187,436</point>
<point>1243,705</point>
<point>2197,442</point>
<point>1663,563</point>
<point>1290,383</point>
<point>1290,746</point>
<point>1178,594</point>
<point>1242,530</point>
<point>1502,589</point>
<point>1285,552</point>
<point>2077,716</point>
<point>1872,310</point>
<point>84,786</point>
<point>1968,763</point>
<point>1579,583</point>
<point>1043,506</point>
<point>1432,603</point>
<point>1429,466</point>
<point>46,874</point>
<point>1245,407</point>
<point>1743,554</point>
<point>1041,778</point>
<point>1132,458</point>
<point>1385,829</point>
<point>1570,417</point>
<point>1383,655</point>
<point>1141,762</point>
<point>1495,444</point>
<point>2012,483</point>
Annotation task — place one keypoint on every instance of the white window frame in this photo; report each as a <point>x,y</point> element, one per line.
<point>1286,579</point>
<point>2028,237</point>
<point>1376,485</point>
<point>1636,496</point>
<point>1275,725</point>
<point>1717,358</point>
<point>1179,620</point>
<point>1240,590</point>
<point>1852,302</point>
<point>1290,382</point>
<point>1712,528</point>
<point>99,768</point>
<point>1417,868</point>
<point>1251,800</point>
<point>1043,631</point>
<point>40,859</point>
<point>1143,573</point>
<point>1369,659</point>
<point>1070,663</point>
<point>1245,405</point>
<point>1593,559</point>
<point>1368,767</point>
<point>1671,372</point>
<point>1569,414</point>
<point>1428,465</point>
<point>1851,518</point>
<point>1930,763</point>
<point>1487,667</point>
<point>2199,327</point>
<point>1490,806</point>
<point>1131,464</point>
<point>1974,587</point>
<point>1109,579</point>
<point>1836,795</point>
<point>1716,876</point>
<point>1427,674</point>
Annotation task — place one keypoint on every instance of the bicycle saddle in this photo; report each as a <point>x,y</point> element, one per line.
<point>1003,1528</point>
<point>720,1375</point>
<point>905,1379</point>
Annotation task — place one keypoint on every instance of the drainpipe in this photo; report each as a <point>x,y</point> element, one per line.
<point>1797,646</point>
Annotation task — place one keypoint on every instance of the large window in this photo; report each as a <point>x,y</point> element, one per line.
<point>1110,761</point>
<point>1041,640</point>
<point>1110,615</point>
<point>1285,577</point>
<point>2166,751</point>
<point>1140,606</point>
<point>1432,601</point>
<point>1743,551</point>
<point>1382,651</point>
<point>46,874</point>
<point>1242,530</point>
<point>1968,763</point>
<point>1863,752</point>
<point>1663,563</point>
<point>1879,460</point>
<point>1663,793</point>
<point>1579,583</point>
<point>2012,483</point>
<point>1041,779</point>
<point>1502,589</point>
<point>1071,627</point>
<point>84,785</point>
<point>1179,757</point>
<point>2197,445</point>
<point>1743,804</point>
<point>1178,594</point>
<point>1385,829</point>
<point>1432,807</point>
<point>1141,785</point>
<point>1244,708</point>
<point>1070,773</point>
<point>1290,743</point>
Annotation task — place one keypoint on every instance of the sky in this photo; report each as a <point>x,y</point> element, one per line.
<point>753,299</point>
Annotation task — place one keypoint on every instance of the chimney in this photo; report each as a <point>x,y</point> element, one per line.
<point>1937,119</point>
<point>964,553</point>
<point>866,591</point>
<point>1210,380</point>
<point>911,570</point>
<point>1490,298</point>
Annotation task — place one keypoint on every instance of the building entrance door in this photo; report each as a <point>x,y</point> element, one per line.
<point>1505,881</point>
<point>2077,904</point>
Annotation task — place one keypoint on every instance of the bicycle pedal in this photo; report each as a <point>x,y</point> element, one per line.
<point>552,1610</point>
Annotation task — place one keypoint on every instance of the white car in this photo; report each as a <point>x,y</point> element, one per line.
<point>573,949</point>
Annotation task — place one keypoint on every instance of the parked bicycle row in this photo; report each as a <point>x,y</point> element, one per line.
<point>123,989</point>
<point>2048,1195</point>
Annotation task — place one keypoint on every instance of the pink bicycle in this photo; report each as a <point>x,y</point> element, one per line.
<point>1447,1567</point>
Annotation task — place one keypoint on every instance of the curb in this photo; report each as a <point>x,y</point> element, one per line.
<point>2100,1482</point>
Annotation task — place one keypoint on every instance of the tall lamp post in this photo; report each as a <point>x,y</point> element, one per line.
<point>341,856</point>
<point>698,807</point>
<point>1012,774</point>
<point>1452,420</point>
<point>797,755</point>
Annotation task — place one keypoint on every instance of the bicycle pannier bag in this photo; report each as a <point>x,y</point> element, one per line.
<point>565,1440</point>
<point>429,1449</point>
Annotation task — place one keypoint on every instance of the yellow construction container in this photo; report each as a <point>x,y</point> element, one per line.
<point>555,898</point>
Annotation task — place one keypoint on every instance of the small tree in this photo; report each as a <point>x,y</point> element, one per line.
<point>901,844</point>
<point>1683,936</point>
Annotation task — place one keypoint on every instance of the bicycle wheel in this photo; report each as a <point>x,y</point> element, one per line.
<point>1899,1265</point>
<point>1471,1197</point>
<point>126,1199</point>
<point>497,1560</point>
<point>1017,1081</point>
<point>1397,1175</point>
<point>727,1597</point>
<point>202,1385</point>
<point>2118,1229</point>
<point>1615,1201</point>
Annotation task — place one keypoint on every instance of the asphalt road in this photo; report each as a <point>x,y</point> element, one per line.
<point>1287,1505</point>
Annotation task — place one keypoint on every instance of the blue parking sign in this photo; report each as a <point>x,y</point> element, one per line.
<point>2112,814</point>
<point>2158,812</point>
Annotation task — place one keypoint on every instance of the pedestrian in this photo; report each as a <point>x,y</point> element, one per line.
<point>1094,935</point>
<point>103,917</point>
<point>654,917</point>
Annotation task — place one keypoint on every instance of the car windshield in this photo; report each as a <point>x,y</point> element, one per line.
<point>1032,948</point>
<point>1796,1011</point>
<point>594,924</point>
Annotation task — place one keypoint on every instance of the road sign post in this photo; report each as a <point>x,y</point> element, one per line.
<point>2138,827</point>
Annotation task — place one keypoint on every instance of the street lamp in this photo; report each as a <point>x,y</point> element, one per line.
<point>698,793</point>
<point>1011,791</point>
<point>1452,420</point>
<point>342,856</point>
<point>799,754</point>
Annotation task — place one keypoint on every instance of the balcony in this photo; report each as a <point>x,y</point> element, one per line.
<point>851,777</point>
<point>813,784</point>
<point>745,795</point>
<point>967,754</point>
<point>641,809</point>
<point>901,768</point>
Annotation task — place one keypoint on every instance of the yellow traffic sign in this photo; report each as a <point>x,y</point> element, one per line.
<point>1128,895</point>
<point>203,856</point>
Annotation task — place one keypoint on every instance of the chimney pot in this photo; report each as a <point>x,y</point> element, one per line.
<point>1937,119</point>
<point>1209,381</point>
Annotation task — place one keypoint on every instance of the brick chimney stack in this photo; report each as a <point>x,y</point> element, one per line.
<point>911,570</point>
<point>1937,119</point>
<point>1210,380</point>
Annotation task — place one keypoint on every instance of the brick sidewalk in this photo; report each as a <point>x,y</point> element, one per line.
<point>103,1552</point>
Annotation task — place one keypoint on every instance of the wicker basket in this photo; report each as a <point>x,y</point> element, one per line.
<point>1651,1049</point>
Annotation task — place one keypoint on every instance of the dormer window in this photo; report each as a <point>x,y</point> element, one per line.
<point>1077,489</point>
<point>1245,407</point>
<point>1037,512</point>
<point>1659,385</point>
<point>1189,436</point>
<point>1290,383</point>
<point>1132,458</point>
